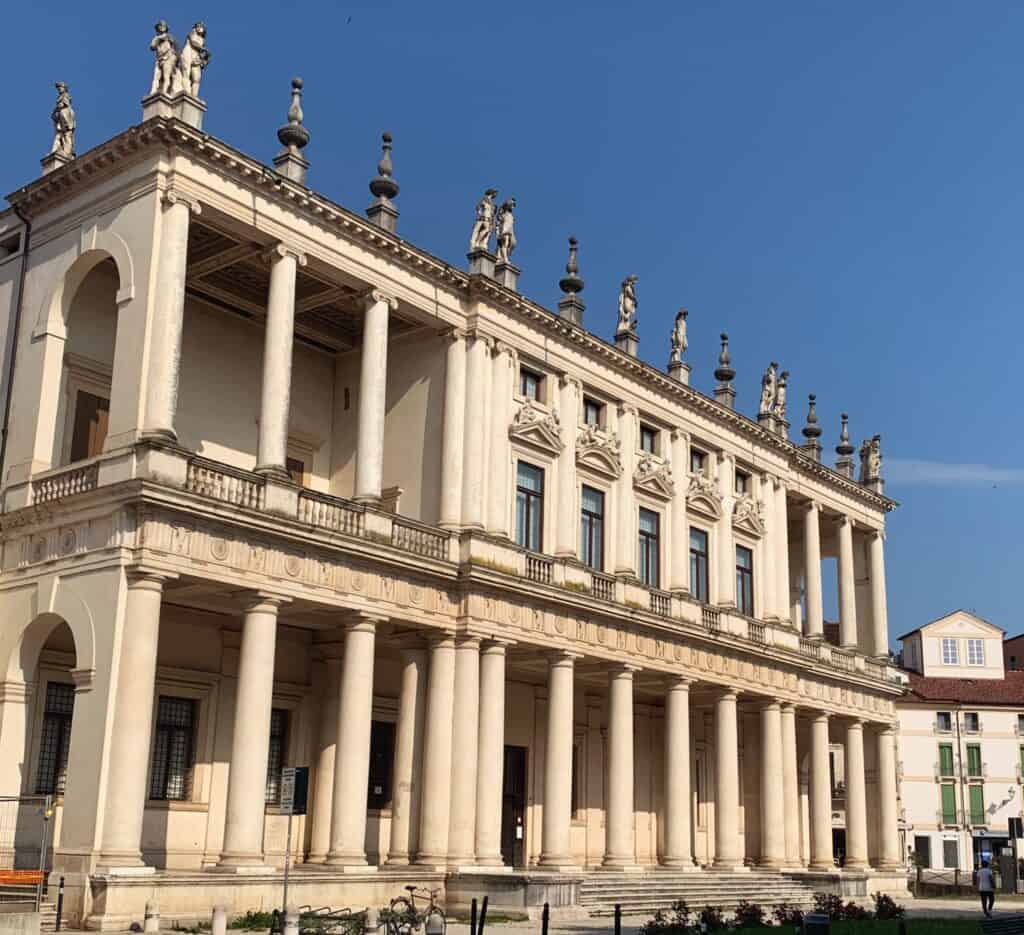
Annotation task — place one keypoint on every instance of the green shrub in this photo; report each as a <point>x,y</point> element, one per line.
<point>252,920</point>
<point>749,915</point>
<point>829,904</point>
<point>886,907</point>
<point>674,921</point>
<point>711,917</point>
<point>785,914</point>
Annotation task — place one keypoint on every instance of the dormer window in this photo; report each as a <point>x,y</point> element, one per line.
<point>592,412</point>
<point>975,652</point>
<point>648,439</point>
<point>529,384</point>
<point>950,652</point>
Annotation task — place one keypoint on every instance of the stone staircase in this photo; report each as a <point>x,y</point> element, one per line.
<point>643,893</point>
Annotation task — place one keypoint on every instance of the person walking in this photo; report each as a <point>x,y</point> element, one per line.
<point>986,883</point>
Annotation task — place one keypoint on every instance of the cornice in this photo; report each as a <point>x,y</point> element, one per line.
<point>171,132</point>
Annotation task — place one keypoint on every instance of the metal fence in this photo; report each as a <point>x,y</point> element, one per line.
<point>25,830</point>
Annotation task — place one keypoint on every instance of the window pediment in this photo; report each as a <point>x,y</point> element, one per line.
<point>702,496</point>
<point>748,515</point>
<point>531,425</point>
<point>599,451</point>
<point>654,476</point>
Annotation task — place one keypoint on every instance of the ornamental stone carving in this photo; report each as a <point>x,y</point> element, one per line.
<point>532,425</point>
<point>63,117</point>
<point>654,476</point>
<point>748,515</point>
<point>600,451</point>
<point>871,460</point>
<point>702,495</point>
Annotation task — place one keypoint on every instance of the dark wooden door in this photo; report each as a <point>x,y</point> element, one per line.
<point>513,808</point>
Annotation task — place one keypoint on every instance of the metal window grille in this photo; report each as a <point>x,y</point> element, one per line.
<point>56,738</point>
<point>276,754</point>
<point>172,761</point>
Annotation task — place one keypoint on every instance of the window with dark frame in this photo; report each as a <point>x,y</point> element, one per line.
<point>55,741</point>
<point>974,767</point>
<point>648,535</point>
<point>648,439</point>
<point>944,721</point>
<point>745,580</point>
<point>529,506</point>
<point>170,775</point>
<point>699,564</point>
<point>296,469</point>
<point>277,752</point>
<point>529,384</point>
<point>592,528</point>
<point>382,755</point>
<point>592,412</point>
<point>742,484</point>
<point>972,723</point>
<point>89,429</point>
<point>697,461</point>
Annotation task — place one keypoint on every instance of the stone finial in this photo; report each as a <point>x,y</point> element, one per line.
<point>62,149</point>
<point>383,187</point>
<point>844,463</point>
<point>871,463</point>
<point>293,136</point>
<point>725,374</point>
<point>677,369</point>
<point>812,430</point>
<point>571,305</point>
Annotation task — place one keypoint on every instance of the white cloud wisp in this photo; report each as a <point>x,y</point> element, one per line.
<point>909,471</point>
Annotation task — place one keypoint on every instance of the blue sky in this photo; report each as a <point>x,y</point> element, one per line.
<point>839,186</point>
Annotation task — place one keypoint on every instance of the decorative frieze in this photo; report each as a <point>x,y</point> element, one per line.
<point>600,451</point>
<point>748,515</point>
<point>654,476</point>
<point>534,426</point>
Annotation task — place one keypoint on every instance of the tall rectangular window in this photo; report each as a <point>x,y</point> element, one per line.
<point>56,739</point>
<point>592,528</point>
<point>949,804</point>
<point>974,761</point>
<point>697,461</point>
<point>649,547</point>
<point>648,439</point>
<point>382,755</point>
<point>276,754</point>
<point>977,803</point>
<point>745,580</point>
<point>742,484</point>
<point>89,431</point>
<point>950,652</point>
<point>170,773</point>
<point>975,652</point>
<point>972,723</point>
<point>699,564</point>
<point>529,506</point>
<point>945,759</point>
<point>591,412</point>
<point>529,384</point>
<point>944,721</point>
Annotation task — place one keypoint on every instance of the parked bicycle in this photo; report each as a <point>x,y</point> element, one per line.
<point>404,917</point>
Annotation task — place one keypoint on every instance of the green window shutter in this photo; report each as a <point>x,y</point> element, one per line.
<point>973,760</point>
<point>948,805</point>
<point>977,805</point>
<point>946,759</point>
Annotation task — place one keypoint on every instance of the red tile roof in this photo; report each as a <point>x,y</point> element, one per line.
<point>1008,690</point>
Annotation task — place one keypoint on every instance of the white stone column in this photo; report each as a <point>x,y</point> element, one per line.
<point>769,552</point>
<point>847,585</point>
<point>499,490</point>
<point>250,739</point>
<point>133,719</point>
<point>556,850</point>
<point>820,780</point>
<point>856,798</point>
<point>728,855</point>
<point>568,495</point>
<point>626,513</point>
<point>879,614</point>
<point>478,373</point>
<point>352,756</point>
<point>168,316</point>
<point>814,626</point>
<point>781,540</point>
<point>790,785</point>
<point>452,429</point>
<point>491,755</point>
<point>327,746</point>
<point>726,552</point>
<point>465,736</point>
<point>678,841</point>
<point>889,836</point>
<point>373,384</point>
<point>679,571</point>
<point>773,807</point>
<point>278,340</point>
<point>620,823</point>
<point>435,797</point>
<point>405,810</point>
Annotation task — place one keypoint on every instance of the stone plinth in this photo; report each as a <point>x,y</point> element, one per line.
<point>51,162</point>
<point>384,214</point>
<point>725,395</point>
<point>507,275</point>
<point>481,263</point>
<point>181,106</point>
<point>571,307</point>
<point>680,372</point>
<point>627,341</point>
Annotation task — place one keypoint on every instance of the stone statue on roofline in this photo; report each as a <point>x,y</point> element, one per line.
<point>769,390</point>
<point>627,305</point>
<point>63,117</point>
<point>192,62</point>
<point>779,408</point>
<point>483,227</point>
<point>679,342</point>
<point>871,459</point>
<point>506,235</point>
<point>165,47</point>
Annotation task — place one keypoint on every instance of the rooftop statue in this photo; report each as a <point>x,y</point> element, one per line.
<point>627,305</point>
<point>192,62</point>
<point>506,230</point>
<point>165,46</point>
<point>63,118</point>
<point>871,459</point>
<point>769,390</point>
<point>483,227</point>
<point>779,409</point>
<point>679,342</point>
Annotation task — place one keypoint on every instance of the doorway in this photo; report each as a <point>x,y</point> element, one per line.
<point>839,846</point>
<point>513,808</point>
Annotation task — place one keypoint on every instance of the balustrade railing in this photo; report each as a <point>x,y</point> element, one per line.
<point>661,603</point>
<point>538,567</point>
<point>810,648</point>
<point>222,482</point>
<point>66,483</point>
<point>711,619</point>
<point>843,660</point>
<point>874,669</point>
<point>331,513</point>
<point>756,632</point>
<point>420,540</point>
<point>602,586</point>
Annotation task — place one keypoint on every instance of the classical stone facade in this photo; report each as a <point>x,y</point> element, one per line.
<point>280,488</point>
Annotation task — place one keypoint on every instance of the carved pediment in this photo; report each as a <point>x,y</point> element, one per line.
<point>748,515</point>
<point>703,497</point>
<point>533,426</point>
<point>599,451</point>
<point>654,477</point>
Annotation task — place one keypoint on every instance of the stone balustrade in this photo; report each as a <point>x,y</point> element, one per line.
<point>64,482</point>
<point>225,483</point>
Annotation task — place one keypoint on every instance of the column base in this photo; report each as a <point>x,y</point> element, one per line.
<point>621,866</point>
<point>343,861</point>
<point>121,870</point>
<point>829,866</point>
<point>890,867</point>
<point>859,866</point>
<point>432,865</point>
<point>350,868</point>
<point>399,860</point>
<point>273,471</point>
<point>678,863</point>
<point>771,863</point>
<point>729,866</point>
<point>558,863</point>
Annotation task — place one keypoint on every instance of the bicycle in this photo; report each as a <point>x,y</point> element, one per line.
<point>404,917</point>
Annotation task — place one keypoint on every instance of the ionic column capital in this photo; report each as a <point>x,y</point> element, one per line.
<point>280,251</point>
<point>501,347</point>
<point>144,578</point>
<point>623,670</point>
<point>173,196</point>
<point>676,683</point>
<point>818,716</point>
<point>453,335</point>
<point>567,379</point>
<point>769,704</point>
<point>563,658</point>
<point>363,622</point>
<point>263,602</point>
<point>877,534</point>
<point>625,409</point>
<point>726,691</point>
<point>374,296</point>
<point>811,506</point>
<point>495,647</point>
<point>843,520</point>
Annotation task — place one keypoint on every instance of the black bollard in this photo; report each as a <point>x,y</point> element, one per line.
<point>60,901</point>
<point>545,917</point>
<point>472,917</point>
<point>618,919</point>
<point>483,916</point>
